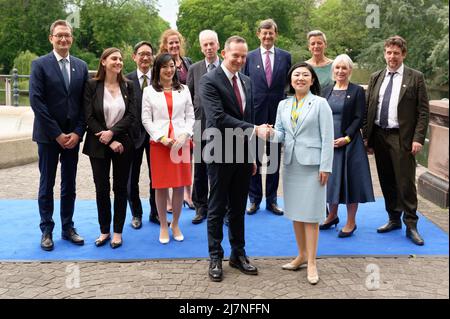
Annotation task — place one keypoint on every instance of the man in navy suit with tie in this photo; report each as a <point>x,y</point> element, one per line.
<point>56,97</point>
<point>267,67</point>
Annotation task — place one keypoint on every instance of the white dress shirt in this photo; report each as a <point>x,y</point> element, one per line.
<point>141,78</point>
<point>59,58</point>
<point>216,63</point>
<point>230,78</point>
<point>113,108</point>
<point>271,56</point>
<point>395,94</point>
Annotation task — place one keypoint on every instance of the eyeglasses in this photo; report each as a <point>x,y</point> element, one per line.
<point>143,54</point>
<point>61,36</point>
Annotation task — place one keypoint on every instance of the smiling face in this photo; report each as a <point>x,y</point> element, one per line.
<point>267,37</point>
<point>235,56</point>
<point>342,72</point>
<point>301,80</point>
<point>173,45</point>
<point>317,46</point>
<point>394,57</point>
<point>143,58</point>
<point>113,63</point>
<point>167,72</point>
<point>61,39</point>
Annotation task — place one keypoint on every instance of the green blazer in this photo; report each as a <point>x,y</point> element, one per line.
<point>413,107</point>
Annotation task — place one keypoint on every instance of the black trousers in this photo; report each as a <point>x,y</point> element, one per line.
<point>121,168</point>
<point>49,155</point>
<point>229,189</point>
<point>200,187</point>
<point>397,174</point>
<point>273,152</point>
<point>133,182</point>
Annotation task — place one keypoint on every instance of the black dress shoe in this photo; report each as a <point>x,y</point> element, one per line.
<point>243,264</point>
<point>274,208</point>
<point>326,226</point>
<point>136,222</point>
<point>343,234</point>
<point>391,225</point>
<point>72,236</point>
<point>47,242</point>
<point>252,209</point>
<point>198,218</point>
<point>414,235</point>
<point>215,271</point>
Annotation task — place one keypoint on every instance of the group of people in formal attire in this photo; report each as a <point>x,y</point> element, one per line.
<point>169,106</point>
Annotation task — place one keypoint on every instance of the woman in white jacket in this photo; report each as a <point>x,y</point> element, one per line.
<point>168,117</point>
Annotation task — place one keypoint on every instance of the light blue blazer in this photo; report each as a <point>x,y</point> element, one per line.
<point>312,139</point>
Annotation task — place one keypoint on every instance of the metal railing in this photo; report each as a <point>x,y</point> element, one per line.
<point>12,90</point>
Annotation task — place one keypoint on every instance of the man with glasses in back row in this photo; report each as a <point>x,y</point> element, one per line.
<point>56,97</point>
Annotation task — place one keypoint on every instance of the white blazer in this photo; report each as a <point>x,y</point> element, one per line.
<point>155,115</point>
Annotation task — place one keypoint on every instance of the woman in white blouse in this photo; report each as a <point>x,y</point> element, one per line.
<point>109,108</point>
<point>168,117</point>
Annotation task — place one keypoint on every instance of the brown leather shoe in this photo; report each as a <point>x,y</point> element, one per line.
<point>252,209</point>
<point>47,242</point>
<point>413,234</point>
<point>274,208</point>
<point>72,236</point>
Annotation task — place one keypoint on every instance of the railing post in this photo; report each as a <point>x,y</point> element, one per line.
<point>15,87</point>
<point>8,92</point>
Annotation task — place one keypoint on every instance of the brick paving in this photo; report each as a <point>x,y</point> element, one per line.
<point>341,278</point>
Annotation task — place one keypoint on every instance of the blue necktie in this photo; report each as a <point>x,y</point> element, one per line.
<point>64,73</point>
<point>384,113</point>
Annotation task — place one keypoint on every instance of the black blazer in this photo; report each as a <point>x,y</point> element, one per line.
<point>95,118</point>
<point>139,133</point>
<point>354,108</point>
<point>222,111</point>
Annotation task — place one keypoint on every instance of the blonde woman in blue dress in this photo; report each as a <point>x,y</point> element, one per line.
<point>304,125</point>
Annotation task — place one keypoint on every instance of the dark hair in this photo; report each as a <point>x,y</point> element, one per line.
<point>101,71</point>
<point>268,24</point>
<point>397,41</point>
<point>139,44</point>
<point>161,60</point>
<point>315,87</point>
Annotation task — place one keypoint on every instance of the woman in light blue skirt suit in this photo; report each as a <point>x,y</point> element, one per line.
<point>304,125</point>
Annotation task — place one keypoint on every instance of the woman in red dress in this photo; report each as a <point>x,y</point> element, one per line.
<point>168,117</point>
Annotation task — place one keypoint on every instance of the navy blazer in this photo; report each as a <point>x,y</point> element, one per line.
<point>354,108</point>
<point>221,107</point>
<point>138,132</point>
<point>95,118</point>
<point>265,98</point>
<point>56,109</point>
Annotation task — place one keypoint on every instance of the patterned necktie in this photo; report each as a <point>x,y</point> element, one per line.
<point>144,83</point>
<point>211,67</point>
<point>268,69</point>
<point>296,110</point>
<point>384,113</point>
<point>237,93</point>
<point>65,74</point>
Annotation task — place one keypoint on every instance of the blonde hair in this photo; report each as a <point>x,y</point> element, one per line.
<point>342,58</point>
<point>164,40</point>
<point>316,33</point>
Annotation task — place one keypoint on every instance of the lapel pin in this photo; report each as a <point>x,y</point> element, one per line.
<point>348,96</point>
<point>404,85</point>
<point>73,70</point>
<point>258,66</point>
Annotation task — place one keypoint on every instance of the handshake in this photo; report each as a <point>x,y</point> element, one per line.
<point>264,131</point>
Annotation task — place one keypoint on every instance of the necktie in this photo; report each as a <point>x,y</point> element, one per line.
<point>268,68</point>
<point>384,113</point>
<point>211,67</point>
<point>144,83</point>
<point>64,73</point>
<point>237,93</point>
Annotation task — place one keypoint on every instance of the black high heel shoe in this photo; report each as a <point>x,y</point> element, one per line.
<point>328,225</point>
<point>343,234</point>
<point>185,203</point>
<point>100,242</point>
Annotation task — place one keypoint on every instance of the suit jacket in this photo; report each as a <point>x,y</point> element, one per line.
<point>265,98</point>
<point>354,109</point>
<point>412,110</point>
<point>196,71</point>
<point>312,139</point>
<point>222,112</point>
<point>56,109</point>
<point>95,118</point>
<point>138,132</point>
<point>155,114</point>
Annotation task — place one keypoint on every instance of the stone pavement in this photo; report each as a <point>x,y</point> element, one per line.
<point>340,278</point>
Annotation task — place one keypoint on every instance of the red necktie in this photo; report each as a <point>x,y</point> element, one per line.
<point>237,93</point>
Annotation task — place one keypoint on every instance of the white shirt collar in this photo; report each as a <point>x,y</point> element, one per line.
<point>216,63</point>
<point>399,70</point>
<point>59,58</point>
<point>264,50</point>
<point>228,73</point>
<point>140,73</point>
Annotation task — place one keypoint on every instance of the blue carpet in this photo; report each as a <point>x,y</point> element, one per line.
<point>267,235</point>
